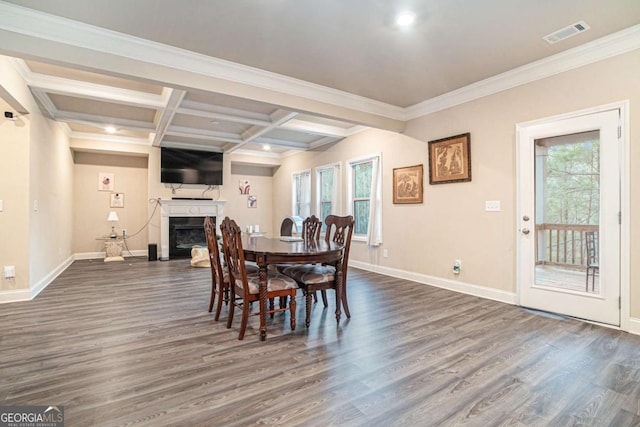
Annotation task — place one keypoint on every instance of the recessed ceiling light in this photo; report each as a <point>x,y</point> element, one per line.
<point>110,129</point>
<point>405,19</point>
<point>266,147</point>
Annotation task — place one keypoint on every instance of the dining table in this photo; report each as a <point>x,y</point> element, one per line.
<point>265,251</point>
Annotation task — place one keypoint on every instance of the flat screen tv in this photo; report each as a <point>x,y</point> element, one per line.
<point>178,166</point>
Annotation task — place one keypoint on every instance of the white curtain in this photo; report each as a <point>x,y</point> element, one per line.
<point>305,191</point>
<point>374,233</point>
<point>336,197</point>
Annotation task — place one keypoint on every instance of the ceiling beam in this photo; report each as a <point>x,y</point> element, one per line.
<point>164,116</point>
<point>102,121</point>
<point>203,135</point>
<point>86,90</point>
<point>278,117</point>
<point>226,111</point>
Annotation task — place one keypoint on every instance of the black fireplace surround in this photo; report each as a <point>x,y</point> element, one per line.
<point>184,234</point>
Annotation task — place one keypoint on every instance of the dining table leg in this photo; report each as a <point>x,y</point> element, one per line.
<point>262,283</point>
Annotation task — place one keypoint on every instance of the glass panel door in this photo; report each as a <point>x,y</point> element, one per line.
<point>567,187</point>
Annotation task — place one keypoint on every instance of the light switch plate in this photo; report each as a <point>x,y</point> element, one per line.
<point>1,205</point>
<point>492,205</point>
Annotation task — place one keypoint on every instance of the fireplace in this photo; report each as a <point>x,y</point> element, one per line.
<point>189,214</point>
<point>184,234</point>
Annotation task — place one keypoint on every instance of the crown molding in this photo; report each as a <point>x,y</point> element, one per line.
<point>606,47</point>
<point>41,25</point>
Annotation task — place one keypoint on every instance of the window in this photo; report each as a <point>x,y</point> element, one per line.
<point>328,191</point>
<point>365,199</point>
<point>301,197</point>
<point>361,196</point>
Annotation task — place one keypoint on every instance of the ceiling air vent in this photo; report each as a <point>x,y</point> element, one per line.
<point>566,32</point>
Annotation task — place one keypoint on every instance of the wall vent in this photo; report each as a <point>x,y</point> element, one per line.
<point>566,32</point>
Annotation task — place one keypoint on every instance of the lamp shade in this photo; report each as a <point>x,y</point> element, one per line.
<point>112,216</point>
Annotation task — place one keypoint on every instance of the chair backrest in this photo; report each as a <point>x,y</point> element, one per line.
<point>234,254</point>
<point>311,228</point>
<point>591,240</point>
<point>286,227</point>
<point>339,230</point>
<point>214,251</point>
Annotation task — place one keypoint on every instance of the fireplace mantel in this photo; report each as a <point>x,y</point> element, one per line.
<point>185,207</point>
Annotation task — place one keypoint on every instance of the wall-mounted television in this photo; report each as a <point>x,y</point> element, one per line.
<point>178,166</point>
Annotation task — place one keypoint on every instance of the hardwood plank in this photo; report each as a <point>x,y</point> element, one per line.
<point>133,344</point>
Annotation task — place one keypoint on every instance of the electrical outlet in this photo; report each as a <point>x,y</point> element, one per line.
<point>124,231</point>
<point>457,266</point>
<point>9,271</point>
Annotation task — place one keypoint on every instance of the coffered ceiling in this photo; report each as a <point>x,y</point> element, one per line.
<point>288,75</point>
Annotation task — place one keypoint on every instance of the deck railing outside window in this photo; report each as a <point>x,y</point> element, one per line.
<point>562,244</point>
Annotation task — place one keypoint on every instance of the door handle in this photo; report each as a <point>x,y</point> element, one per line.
<point>525,231</point>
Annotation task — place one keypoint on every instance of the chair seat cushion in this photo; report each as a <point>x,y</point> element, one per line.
<point>251,269</point>
<point>275,282</point>
<point>311,273</point>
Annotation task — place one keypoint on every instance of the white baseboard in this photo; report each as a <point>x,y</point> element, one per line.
<point>15,295</point>
<point>36,288</point>
<point>634,326</point>
<point>452,285</point>
<point>29,294</point>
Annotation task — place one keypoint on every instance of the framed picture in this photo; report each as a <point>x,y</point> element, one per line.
<point>252,201</point>
<point>117,200</point>
<point>245,186</point>
<point>450,159</point>
<point>105,181</point>
<point>407,184</point>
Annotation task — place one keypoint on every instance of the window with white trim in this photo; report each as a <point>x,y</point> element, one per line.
<point>328,191</point>
<point>301,193</point>
<point>365,198</point>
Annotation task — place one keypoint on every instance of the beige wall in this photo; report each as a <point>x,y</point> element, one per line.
<point>451,223</point>
<point>50,187</point>
<point>35,186</point>
<point>14,193</point>
<point>92,206</point>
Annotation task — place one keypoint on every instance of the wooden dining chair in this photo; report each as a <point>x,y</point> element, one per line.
<point>311,227</point>
<point>219,271</point>
<point>312,278</point>
<point>219,283</point>
<point>246,286</point>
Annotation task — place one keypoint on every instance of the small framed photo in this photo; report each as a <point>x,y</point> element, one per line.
<point>252,201</point>
<point>407,184</point>
<point>105,181</point>
<point>245,186</point>
<point>450,159</point>
<point>117,200</point>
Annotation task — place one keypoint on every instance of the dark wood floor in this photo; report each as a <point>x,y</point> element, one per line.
<point>133,344</point>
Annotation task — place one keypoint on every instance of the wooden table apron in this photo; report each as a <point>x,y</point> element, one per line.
<point>264,251</point>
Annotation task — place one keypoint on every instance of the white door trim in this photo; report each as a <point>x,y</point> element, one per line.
<point>625,254</point>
